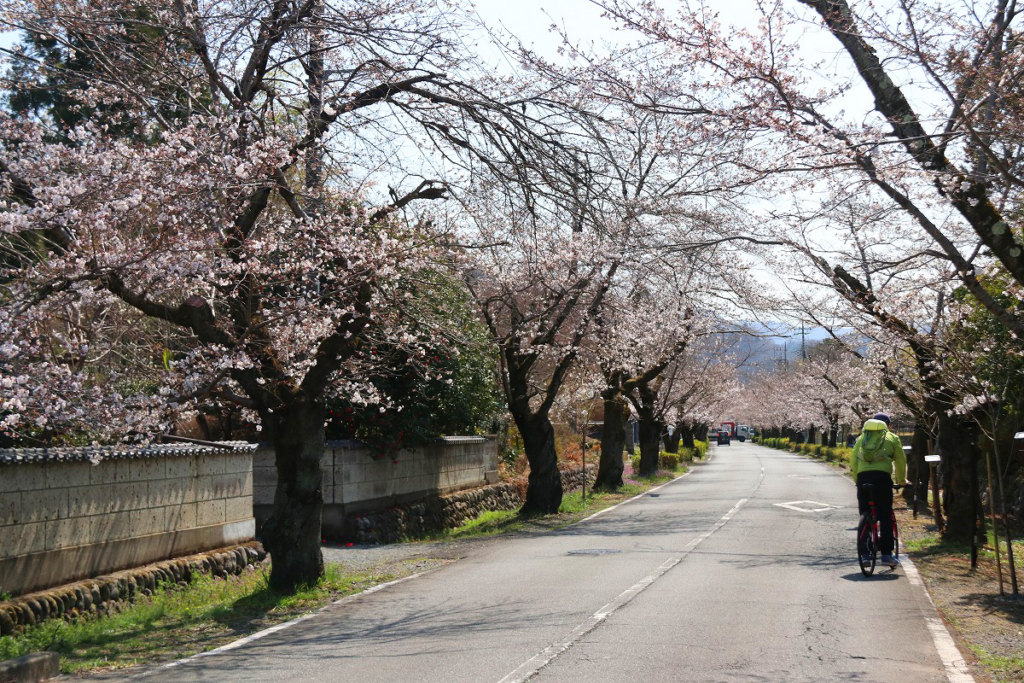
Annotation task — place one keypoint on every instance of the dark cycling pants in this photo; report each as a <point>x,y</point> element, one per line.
<point>881,489</point>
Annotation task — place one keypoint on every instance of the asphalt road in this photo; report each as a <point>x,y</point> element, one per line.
<point>707,579</point>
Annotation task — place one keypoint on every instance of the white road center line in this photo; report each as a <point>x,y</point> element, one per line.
<point>532,666</point>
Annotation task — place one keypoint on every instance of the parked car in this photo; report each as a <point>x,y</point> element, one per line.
<point>724,438</point>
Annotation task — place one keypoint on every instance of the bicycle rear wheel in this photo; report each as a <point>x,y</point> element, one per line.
<point>895,538</point>
<point>867,553</point>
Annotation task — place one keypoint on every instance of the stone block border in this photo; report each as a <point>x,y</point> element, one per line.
<point>106,594</point>
<point>33,668</point>
<point>437,513</point>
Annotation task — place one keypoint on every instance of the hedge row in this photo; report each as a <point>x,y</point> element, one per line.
<point>830,453</point>
<point>672,461</point>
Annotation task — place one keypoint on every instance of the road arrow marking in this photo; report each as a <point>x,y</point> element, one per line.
<point>807,506</point>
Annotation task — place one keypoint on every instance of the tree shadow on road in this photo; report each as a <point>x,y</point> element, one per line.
<point>883,576</point>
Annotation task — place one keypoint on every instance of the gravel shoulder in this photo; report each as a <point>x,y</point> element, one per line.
<point>989,628</point>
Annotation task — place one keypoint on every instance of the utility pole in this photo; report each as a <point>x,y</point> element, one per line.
<point>803,343</point>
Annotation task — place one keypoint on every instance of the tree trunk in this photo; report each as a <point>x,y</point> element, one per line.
<point>672,440</point>
<point>544,485</point>
<point>292,533</point>
<point>630,437</point>
<point>956,438</point>
<point>702,433</point>
<point>686,430</point>
<point>917,469</point>
<point>613,441</point>
<point>812,435</point>
<point>833,434</point>
<point>650,445</point>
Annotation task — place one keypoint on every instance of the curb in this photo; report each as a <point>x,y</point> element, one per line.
<point>39,666</point>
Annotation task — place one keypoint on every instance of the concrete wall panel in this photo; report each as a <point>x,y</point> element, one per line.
<point>63,518</point>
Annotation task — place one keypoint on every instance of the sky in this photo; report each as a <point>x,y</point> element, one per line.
<point>530,21</point>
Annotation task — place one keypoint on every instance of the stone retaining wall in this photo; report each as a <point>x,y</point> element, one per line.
<point>437,513</point>
<point>355,482</point>
<point>106,594</point>
<point>73,513</point>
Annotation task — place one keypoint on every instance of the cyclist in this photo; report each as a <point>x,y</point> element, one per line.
<point>876,454</point>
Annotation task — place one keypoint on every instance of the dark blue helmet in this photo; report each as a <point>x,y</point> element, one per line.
<point>884,417</point>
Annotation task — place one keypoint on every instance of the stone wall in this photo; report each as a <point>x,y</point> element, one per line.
<point>356,482</point>
<point>437,513</point>
<point>70,514</point>
<point>107,594</point>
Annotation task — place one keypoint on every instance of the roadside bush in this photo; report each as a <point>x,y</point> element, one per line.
<point>829,453</point>
<point>700,448</point>
<point>666,461</point>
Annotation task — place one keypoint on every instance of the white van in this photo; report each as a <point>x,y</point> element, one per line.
<point>743,432</point>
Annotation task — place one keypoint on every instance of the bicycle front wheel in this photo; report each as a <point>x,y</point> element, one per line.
<point>867,552</point>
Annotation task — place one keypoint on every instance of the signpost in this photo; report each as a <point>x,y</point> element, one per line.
<point>917,484</point>
<point>933,461</point>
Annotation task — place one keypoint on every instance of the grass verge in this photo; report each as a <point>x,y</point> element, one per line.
<point>1003,669</point>
<point>572,509</point>
<point>177,621</point>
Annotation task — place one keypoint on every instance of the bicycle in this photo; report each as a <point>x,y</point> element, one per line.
<point>867,543</point>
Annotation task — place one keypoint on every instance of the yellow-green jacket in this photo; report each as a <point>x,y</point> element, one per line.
<point>879,450</point>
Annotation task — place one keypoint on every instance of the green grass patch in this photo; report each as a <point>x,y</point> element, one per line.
<point>1004,669</point>
<point>572,509</point>
<point>181,621</point>
<point>932,544</point>
<point>487,524</point>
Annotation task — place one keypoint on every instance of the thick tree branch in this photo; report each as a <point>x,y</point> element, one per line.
<point>967,195</point>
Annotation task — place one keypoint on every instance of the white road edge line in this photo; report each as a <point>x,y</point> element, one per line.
<point>532,666</point>
<point>952,661</point>
<point>279,627</point>
<point>641,495</point>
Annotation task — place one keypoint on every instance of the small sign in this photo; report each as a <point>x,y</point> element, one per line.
<point>908,448</point>
<point>932,458</point>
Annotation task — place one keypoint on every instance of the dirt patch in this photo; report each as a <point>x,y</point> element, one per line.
<point>989,628</point>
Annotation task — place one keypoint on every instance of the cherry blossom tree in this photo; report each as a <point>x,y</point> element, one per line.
<point>211,230</point>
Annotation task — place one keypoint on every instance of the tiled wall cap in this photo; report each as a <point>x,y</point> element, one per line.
<point>96,454</point>
<point>355,443</point>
